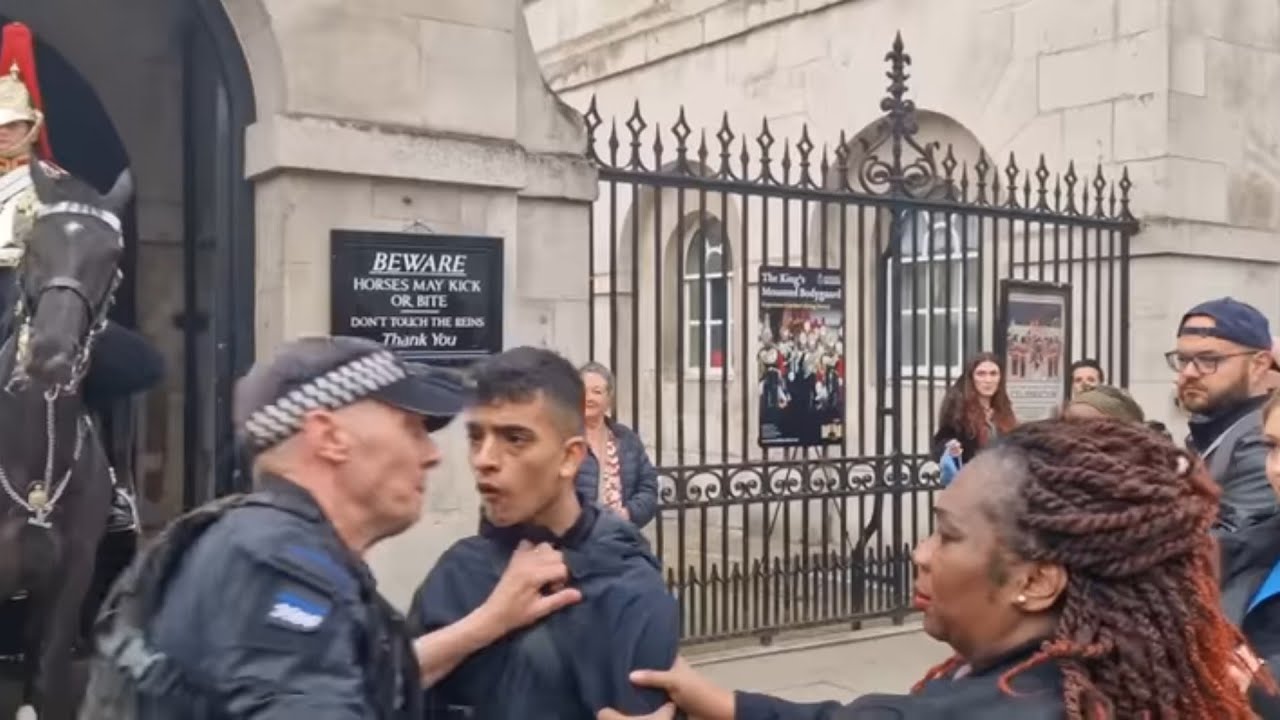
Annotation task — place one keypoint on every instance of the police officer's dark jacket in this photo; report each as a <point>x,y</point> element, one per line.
<point>1037,696</point>
<point>265,614</point>
<point>576,661</point>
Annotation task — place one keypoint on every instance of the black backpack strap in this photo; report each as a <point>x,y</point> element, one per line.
<point>125,664</point>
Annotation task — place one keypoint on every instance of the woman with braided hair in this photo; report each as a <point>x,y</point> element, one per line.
<point>1073,573</point>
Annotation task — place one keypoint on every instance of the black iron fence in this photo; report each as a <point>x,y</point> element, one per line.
<point>759,539</point>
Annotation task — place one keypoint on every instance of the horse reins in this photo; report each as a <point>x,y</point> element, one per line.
<point>39,503</point>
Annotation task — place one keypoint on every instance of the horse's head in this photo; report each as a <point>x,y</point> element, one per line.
<point>68,275</point>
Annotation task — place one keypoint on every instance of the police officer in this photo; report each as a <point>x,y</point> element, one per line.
<point>261,606</point>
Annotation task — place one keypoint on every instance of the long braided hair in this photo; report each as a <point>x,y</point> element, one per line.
<point>1140,633</point>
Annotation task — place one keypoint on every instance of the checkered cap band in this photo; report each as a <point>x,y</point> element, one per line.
<point>342,386</point>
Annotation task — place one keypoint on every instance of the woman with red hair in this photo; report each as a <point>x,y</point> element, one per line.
<point>975,411</point>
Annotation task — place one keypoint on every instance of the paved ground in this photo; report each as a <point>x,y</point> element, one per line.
<point>831,669</point>
<point>825,667</point>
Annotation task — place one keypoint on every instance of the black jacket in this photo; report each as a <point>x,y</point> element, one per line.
<point>1248,558</point>
<point>639,477</point>
<point>269,616</point>
<point>977,695</point>
<point>573,663</point>
<point>948,432</point>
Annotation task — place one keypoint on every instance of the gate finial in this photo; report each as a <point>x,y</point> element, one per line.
<point>899,125</point>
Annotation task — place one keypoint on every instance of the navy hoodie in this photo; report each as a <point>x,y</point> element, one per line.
<point>576,661</point>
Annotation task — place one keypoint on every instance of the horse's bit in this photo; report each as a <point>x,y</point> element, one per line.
<point>39,504</point>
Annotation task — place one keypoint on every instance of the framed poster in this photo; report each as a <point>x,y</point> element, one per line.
<point>430,298</point>
<point>800,357</point>
<point>1033,337</point>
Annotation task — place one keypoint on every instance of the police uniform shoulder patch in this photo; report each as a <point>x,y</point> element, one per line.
<point>294,608</point>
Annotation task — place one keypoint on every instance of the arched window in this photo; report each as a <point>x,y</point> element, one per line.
<point>939,298</point>
<point>708,276</point>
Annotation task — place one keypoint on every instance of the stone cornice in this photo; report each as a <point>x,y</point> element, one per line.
<point>651,37</point>
<point>282,143</point>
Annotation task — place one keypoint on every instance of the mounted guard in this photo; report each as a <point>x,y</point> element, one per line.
<point>124,363</point>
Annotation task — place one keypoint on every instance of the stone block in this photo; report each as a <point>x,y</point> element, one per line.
<point>1196,190</point>
<point>1087,133</point>
<point>1202,129</point>
<point>1141,126</point>
<point>430,203</point>
<point>673,38</point>
<point>1188,63</point>
<point>351,65</point>
<point>1134,16</point>
<point>306,298</point>
<point>469,80</point>
<point>1253,194</point>
<point>1045,26</point>
<point>762,11</point>
<point>551,256</point>
<point>1041,135</point>
<point>723,21</point>
<point>493,14</point>
<point>1013,100</point>
<point>494,214</point>
<point>1129,66</point>
<point>1255,23</point>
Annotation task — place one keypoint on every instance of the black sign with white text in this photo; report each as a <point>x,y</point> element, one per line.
<point>432,298</point>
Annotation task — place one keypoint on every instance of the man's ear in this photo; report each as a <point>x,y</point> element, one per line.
<point>575,451</point>
<point>325,436</point>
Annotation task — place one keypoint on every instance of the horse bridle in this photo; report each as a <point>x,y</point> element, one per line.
<point>25,308</point>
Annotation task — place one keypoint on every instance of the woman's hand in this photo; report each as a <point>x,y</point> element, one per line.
<point>1247,669</point>
<point>691,692</point>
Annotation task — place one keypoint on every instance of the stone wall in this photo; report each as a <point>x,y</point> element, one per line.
<point>383,115</point>
<point>1168,88</point>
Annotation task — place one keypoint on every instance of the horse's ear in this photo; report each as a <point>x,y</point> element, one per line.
<point>119,195</point>
<point>40,178</point>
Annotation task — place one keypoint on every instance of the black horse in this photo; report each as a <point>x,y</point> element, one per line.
<point>55,484</point>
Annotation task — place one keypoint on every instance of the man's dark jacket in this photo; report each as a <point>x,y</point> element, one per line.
<point>639,477</point>
<point>1231,443</point>
<point>576,661</point>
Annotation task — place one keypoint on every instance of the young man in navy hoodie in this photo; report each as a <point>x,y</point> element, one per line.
<point>525,429</point>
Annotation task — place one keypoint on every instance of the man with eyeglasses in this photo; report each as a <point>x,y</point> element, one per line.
<point>1223,359</point>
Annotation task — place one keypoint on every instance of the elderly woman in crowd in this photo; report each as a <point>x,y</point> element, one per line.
<point>1072,572</point>
<point>617,473</point>
<point>1107,401</point>
<point>1104,401</point>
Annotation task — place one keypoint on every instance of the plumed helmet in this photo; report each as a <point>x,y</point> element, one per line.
<point>20,99</point>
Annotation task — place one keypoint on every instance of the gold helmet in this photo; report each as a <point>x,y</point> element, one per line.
<point>20,99</point>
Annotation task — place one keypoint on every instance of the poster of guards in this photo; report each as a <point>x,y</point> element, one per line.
<point>1036,341</point>
<point>801,357</point>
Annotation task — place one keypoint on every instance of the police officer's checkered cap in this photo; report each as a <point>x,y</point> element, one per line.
<point>329,373</point>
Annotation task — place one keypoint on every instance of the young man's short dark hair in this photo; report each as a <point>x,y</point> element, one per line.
<point>1089,363</point>
<point>525,373</point>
